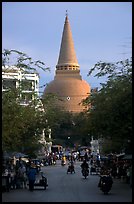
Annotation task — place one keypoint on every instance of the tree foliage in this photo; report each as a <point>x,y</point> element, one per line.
<point>21,125</point>
<point>22,60</point>
<point>110,116</point>
<point>58,119</point>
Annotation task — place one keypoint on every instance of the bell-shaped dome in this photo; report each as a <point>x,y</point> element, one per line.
<point>71,91</point>
<point>68,86</point>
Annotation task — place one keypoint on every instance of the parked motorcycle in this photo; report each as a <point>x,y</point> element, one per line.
<point>105,183</point>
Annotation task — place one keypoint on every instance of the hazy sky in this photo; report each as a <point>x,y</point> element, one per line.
<point>102,31</point>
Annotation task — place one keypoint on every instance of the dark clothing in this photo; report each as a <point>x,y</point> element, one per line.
<point>31,185</point>
<point>71,166</point>
<point>86,156</point>
<point>106,179</point>
<point>84,165</point>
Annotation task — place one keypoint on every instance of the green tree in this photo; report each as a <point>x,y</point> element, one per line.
<point>57,118</point>
<point>22,60</point>
<point>110,115</point>
<point>21,125</point>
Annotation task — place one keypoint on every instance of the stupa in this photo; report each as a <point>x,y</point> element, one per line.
<point>68,84</point>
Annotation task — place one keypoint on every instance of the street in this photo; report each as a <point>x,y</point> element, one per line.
<point>63,187</point>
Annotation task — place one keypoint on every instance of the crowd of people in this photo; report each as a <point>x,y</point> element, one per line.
<point>23,173</point>
<point>19,174</point>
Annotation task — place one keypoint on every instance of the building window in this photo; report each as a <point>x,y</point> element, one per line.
<point>9,83</point>
<point>26,97</point>
<point>27,85</point>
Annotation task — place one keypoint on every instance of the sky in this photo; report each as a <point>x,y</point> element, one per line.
<point>102,31</point>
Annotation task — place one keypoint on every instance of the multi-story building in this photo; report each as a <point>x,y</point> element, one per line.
<point>14,77</point>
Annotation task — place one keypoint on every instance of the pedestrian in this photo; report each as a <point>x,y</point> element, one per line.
<point>98,159</point>
<point>31,176</point>
<point>22,175</point>
<point>86,156</point>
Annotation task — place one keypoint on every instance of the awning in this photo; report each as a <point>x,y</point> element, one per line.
<point>120,155</point>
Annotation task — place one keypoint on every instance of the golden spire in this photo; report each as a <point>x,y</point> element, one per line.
<point>67,57</point>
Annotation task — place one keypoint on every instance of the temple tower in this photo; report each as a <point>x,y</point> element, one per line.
<point>68,84</point>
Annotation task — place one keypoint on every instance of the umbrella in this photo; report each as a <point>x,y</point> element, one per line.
<point>19,154</point>
<point>104,158</point>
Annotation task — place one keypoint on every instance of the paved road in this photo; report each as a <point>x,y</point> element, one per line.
<point>63,187</point>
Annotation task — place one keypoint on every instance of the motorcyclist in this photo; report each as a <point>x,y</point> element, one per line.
<point>85,165</point>
<point>63,160</point>
<point>70,166</point>
<point>106,178</point>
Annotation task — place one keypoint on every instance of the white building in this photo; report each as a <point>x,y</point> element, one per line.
<point>46,145</point>
<point>14,77</point>
<point>46,134</point>
<point>94,146</point>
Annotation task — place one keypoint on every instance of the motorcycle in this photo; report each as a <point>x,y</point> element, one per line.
<point>71,168</point>
<point>42,182</point>
<point>63,162</point>
<point>85,172</point>
<point>54,162</point>
<point>105,183</point>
